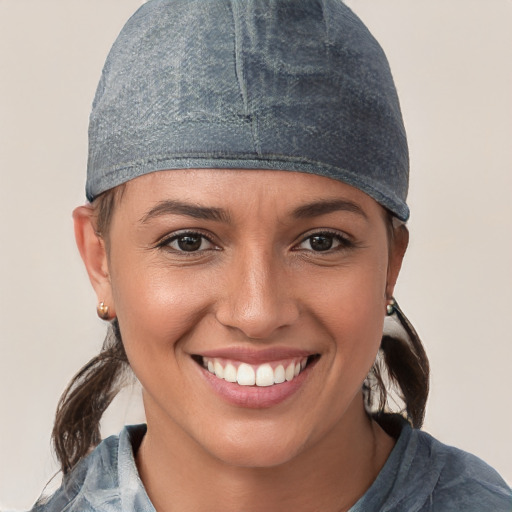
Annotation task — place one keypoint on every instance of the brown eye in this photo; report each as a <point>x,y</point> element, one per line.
<point>324,242</point>
<point>321,242</point>
<point>189,242</point>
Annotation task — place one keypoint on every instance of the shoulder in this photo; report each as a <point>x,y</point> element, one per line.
<point>449,479</point>
<point>93,484</point>
<point>425,475</point>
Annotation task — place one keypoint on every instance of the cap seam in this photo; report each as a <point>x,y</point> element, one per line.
<point>269,159</point>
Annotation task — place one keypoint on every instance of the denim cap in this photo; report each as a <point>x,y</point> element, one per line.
<point>293,85</point>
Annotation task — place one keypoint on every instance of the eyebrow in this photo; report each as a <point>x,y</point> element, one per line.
<point>171,207</point>
<point>323,207</point>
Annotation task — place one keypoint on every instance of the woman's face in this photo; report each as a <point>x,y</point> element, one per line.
<point>218,276</point>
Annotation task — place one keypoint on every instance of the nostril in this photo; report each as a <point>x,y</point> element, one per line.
<point>257,298</point>
<point>259,319</point>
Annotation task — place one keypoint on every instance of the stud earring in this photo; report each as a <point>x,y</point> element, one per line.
<point>102,310</point>
<point>390,308</point>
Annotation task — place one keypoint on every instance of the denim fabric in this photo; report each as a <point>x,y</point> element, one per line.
<point>297,85</point>
<point>106,481</point>
<point>420,475</point>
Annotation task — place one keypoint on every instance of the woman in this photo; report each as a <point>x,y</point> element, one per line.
<point>247,177</point>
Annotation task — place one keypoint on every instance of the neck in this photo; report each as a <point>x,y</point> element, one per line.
<point>330,475</point>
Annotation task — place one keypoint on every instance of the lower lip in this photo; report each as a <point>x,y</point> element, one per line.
<point>255,397</point>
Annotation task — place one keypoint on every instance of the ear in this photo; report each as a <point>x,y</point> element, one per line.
<point>94,255</point>
<point>398,245</point>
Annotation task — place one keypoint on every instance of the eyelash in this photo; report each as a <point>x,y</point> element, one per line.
<point>343,242</point>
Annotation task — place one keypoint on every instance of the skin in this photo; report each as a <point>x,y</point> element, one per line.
<point>259,282</point>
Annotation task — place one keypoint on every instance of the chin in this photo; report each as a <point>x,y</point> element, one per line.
<point>255,450</point>
<point>254,456</point>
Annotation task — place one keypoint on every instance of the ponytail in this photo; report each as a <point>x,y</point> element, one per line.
<point>400,374</point>
<point>76,430</point>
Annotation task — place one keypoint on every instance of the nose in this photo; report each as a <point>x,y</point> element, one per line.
<point>257,297</point>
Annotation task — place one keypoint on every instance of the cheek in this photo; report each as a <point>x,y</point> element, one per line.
<point>352,308</point>
<point>158,311</point>
<point>353,296</point>
<point>156,306</point>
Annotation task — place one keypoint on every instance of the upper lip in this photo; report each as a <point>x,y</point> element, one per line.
<point>256,356</point>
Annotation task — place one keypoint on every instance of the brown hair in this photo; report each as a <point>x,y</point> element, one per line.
<point>400,374</point>
<point>76,430</point>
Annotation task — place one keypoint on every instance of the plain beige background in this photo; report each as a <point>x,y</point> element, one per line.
<point>452,62</point>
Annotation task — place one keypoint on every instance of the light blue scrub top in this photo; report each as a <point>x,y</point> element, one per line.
<point>420,475</point>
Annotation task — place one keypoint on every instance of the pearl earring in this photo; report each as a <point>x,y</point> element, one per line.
<point>390,308</point>
<point>102,310</point>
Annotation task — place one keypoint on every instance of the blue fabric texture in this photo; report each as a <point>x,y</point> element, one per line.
<point>294,85</point>
<point>420,475</point>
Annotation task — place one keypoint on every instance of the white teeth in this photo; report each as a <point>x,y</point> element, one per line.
<point>279,375</point>
<point>230,373</point>
<point>245,375</point>
<point>219,370</point>
<point>264,375</point>
<point>250,375</point>
<point>290,369</point>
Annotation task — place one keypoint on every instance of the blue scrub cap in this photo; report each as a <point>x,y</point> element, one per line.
<point>294,85</point>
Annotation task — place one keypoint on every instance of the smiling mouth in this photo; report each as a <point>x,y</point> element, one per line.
<point>260,375</point>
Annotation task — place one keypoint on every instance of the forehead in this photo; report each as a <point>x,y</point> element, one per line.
<point>243,189</point>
